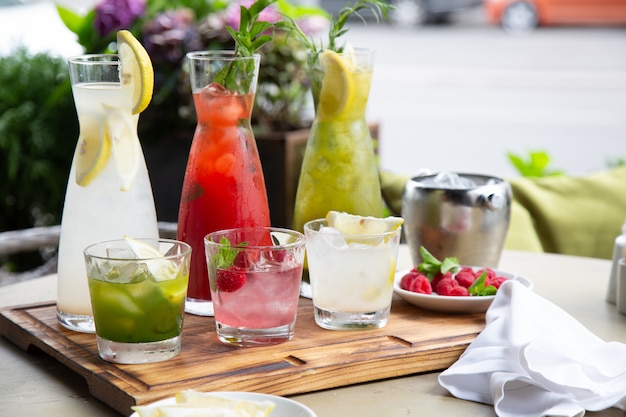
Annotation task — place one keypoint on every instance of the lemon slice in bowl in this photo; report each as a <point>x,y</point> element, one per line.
<point>94,150</point>
<point>136,69</point>
<point>242,407</point>
<point>160,268</point>
<point>351,224</point>
<point>337,92</point>
<point>190,403</point>
<point>120,128</point>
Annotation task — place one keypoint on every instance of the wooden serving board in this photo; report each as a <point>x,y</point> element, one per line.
<point>413,341</point>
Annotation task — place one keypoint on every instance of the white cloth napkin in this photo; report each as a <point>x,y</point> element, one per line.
<point>534,359</point>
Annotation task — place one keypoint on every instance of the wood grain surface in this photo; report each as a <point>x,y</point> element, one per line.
<point>413,341</point>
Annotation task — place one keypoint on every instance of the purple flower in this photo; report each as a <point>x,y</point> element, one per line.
<point>170,35</point>
<point>113,15</point>
<point>232,13</point>
<point>313,25</point>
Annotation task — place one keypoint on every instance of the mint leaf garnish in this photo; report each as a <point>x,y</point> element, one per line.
<point>449,265</point>
<point>431,266</point>
<point>478,287</point>
<point>249,38</point>
<point>225,257</point>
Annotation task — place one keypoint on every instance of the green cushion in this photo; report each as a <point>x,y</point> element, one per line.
<point>575,215</point>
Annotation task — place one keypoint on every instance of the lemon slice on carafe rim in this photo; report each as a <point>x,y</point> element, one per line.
<point>136,69</point>
<point>337,92</point>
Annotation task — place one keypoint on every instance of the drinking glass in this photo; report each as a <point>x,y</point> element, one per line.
<point>108,194</point>
<point>138,298</point>
<point>351,276</point>
<point>255,276</point>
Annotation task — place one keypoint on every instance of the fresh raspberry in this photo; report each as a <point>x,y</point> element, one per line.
<point>438,277</point>
<point>454,290</point>
<point>449,286</point>
<point>415,282</point>
<point>277,256</point>
<point>496,281</point>
<point>245,259</point>
<point>490,273</point>
<point>441,280</point>
<point>230,280</point>
<point>466,277</point>
<point>407,279</point>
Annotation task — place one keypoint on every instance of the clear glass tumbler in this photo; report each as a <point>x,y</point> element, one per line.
<point>255,276</point>
<point>351,276</point>
<point>138,289</point>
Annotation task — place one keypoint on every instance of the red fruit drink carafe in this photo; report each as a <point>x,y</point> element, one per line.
<point>224,186</point>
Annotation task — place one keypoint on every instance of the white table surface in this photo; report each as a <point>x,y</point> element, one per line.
<point>34,384</point>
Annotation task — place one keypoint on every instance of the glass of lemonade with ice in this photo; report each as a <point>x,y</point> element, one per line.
<point>254,276</point>
<point>352,264</point>
<point>138,289</point>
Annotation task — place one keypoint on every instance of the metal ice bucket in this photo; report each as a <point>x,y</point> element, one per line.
<point>467,221</point>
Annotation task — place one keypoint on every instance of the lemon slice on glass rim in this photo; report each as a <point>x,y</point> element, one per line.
<point>351,224</point>
<point>160,268</point>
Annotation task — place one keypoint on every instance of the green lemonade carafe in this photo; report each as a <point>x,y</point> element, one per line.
<point>339,170</point>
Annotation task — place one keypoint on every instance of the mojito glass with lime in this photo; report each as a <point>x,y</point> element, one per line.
<point>138,289</point>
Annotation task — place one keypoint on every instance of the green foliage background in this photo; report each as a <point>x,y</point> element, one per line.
<point>38,134</point>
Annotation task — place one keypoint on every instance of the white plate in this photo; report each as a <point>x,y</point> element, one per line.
<point>452,304</point>
<point>284,406</point>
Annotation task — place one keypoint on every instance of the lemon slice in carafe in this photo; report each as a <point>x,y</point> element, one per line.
<point>120,128</point>
<point>94,149</point>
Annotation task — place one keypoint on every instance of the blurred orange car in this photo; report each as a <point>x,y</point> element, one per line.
<point>521,15</point>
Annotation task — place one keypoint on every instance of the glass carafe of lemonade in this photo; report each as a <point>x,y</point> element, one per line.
<point>224,186</point>
<point>339,171</point>
<point>108,192</point>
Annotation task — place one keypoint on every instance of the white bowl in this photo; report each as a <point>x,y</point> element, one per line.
<point>284,406</point>
<point>452,304</point>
